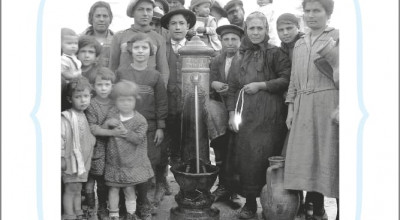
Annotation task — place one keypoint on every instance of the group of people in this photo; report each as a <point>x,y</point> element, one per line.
<point>122,94</point>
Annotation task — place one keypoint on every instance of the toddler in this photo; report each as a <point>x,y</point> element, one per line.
<point>96,113</point>
<point>127,163</point>
<point>70,65</point>
<point>152,105</point>
<point>76,147</point>
<point>206,24</point>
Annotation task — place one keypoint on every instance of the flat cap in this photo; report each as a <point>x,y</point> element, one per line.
<point>229,5</point>
<point>230,28</point>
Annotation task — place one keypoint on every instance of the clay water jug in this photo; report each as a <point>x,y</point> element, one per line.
<point>277,202</point>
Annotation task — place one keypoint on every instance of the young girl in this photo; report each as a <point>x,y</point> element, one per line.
<point>152,105</point>
<point>76,147</point>
<point>88,53</point>
<point>70,65</point>
<point>96,114</point>
<point>127,163</point>
<point>206,24</point>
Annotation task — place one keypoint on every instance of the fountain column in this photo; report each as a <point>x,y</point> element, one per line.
<point>195,175</point>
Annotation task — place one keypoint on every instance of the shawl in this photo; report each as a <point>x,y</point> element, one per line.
<point>255,51</point>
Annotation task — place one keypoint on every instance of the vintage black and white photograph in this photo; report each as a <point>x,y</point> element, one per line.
<point>198,110</point>
<point>201,110</point>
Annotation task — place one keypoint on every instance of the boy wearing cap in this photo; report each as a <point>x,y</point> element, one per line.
<point>206,24</point>
<point>142,12</point>
<point>230,36</point>
<point>235,11</point>
<point>178,22</point>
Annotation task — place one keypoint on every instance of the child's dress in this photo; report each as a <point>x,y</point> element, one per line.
<point>153,105</point>
<point>127,163</point>
<point>96,115</point>
<point>70,65</point>
<point>76,146</point>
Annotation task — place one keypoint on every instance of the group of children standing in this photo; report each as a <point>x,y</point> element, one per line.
<point>106,119</point>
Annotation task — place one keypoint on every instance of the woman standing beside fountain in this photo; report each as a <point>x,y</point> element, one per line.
<point>263,76</point>
<point>312,157</point>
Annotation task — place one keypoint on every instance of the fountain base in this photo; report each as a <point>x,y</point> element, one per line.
<point>194,198</point>
<point>178,213</point>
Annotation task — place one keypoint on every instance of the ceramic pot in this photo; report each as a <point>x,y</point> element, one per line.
<point>277,202</point>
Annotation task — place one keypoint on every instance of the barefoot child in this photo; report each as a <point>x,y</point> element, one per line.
<point>127,163</point>
<point>96,114</point>
<point>76,146</point>
<point>152,105</point>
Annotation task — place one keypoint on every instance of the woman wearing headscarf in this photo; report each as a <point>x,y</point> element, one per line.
<point>262,75</point>
<point>312,157</point>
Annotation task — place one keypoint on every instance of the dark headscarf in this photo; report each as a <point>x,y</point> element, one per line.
<point>250,50</point>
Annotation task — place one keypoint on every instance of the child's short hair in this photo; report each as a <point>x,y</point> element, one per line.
<point>86,40</point>
<point>77,85</point>
<point>140,37</point>
<point>67,32</point>
<point>125,88</point>
<point>104,73</point>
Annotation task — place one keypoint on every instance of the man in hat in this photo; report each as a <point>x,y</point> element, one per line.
<point>230,36</point>
<point>100,18</point>
<point>178,22</point>
<point>142,12</point>
<point>235,11</point>
<point>176,4</point>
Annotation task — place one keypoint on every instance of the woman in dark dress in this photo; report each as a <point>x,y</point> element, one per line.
<point>263,75</point>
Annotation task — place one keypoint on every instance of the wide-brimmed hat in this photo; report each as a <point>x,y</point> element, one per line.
<point>230,28</point>
<point>165,5</point>
<point>191,17</point>
<point>195,3</point>
<point>229,5</point>
<point>133,3</point>
<point>218,6</point>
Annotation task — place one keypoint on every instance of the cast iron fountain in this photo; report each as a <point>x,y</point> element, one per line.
<point>195,175</point>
